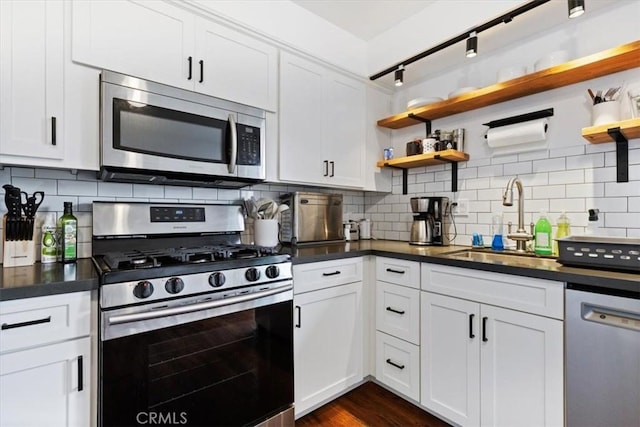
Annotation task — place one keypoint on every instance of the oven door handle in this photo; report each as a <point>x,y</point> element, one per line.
<point>148,315</point>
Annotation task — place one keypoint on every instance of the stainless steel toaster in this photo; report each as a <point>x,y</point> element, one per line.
<point>312,217</point>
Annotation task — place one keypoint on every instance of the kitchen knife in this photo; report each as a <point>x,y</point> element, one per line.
<point>12,202</point>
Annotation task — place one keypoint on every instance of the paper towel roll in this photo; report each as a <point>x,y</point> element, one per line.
<point>518,133</point>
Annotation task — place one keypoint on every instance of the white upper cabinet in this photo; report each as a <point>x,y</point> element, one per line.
<point>164,43</point>
<point>147,39</point>
<point>31,79</point>
<point>236,66</point>
<point>322,124</point>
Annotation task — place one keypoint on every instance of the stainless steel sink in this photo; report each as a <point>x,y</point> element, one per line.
<point>505,258</point>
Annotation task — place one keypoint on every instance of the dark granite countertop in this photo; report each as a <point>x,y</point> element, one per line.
<point>524,266</point>
<point>47,279</point>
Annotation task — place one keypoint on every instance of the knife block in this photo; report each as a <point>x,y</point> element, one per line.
<point>18,252</point>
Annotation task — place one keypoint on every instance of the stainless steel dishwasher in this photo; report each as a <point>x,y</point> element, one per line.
<point>602,357</point>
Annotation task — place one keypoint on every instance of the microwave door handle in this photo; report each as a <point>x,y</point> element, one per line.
<point>234,144</point>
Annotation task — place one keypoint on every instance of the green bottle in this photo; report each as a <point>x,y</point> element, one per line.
<point>68,232</point>
<point>542,234</point>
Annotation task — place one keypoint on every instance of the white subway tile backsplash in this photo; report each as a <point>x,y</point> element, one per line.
<point>618,219</point>
<point>567,177</point>
<point>610,204</point>
<point>513,158</point>
<point>490,171</point>
<point>634,204</point>
<point>114,189</point>
<point>616,189</point>
<point>533,155</point>
<point>148,191</point>
<point>425,177</point>
<point>518,168</point>
<point>205,193</point>
<point>30,185</point>
<point>547,165</point>
<point>585,190</point>
<point>568,205</point>
<point>56,174</point>
<point>605,174</point>
<point>549,192</point>
<point>567,151</point>
<point>17,172</point>
<point>77,188</point>
<point>587,161</point>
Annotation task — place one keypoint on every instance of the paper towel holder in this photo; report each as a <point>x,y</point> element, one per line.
<point>548,112</point>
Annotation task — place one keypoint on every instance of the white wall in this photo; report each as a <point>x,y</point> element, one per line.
<point>571,175</point>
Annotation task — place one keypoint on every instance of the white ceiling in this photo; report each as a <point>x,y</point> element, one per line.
<point>364,19</point>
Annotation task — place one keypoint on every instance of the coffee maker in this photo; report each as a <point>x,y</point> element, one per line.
<point>430,221</point>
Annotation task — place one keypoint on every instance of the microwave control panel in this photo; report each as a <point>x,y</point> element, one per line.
<point>248,145</point>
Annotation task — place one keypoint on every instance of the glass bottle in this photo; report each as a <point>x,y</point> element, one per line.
<point>68,232</point>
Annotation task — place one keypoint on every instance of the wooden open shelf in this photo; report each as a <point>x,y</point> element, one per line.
<point>437,158</point>
<point>610,61</point>
<point>599,134</point>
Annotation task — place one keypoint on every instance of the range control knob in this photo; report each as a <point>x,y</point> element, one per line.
<point>252,274</point>
<point>272,271</point>
<point>143,289</point>
<point>217,279</point>
<point>174,285</point>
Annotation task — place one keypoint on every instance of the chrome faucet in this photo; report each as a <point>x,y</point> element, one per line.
<point>520,236</point>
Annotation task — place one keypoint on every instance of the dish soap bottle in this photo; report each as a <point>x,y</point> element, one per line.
<point>564,230</point>
<point>68,234</point>
<point>542,235</point>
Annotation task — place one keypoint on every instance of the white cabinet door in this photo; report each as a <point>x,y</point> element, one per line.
<point>522,369</point>
<point>46,386</point>
<point>236,66</point>
<point>328,344</point>
<point>149,39</point>
<point>450,358</point>
<point>345,135</point>
<point>301,121</point>
<point>31,78</point>
<point>321,124</point>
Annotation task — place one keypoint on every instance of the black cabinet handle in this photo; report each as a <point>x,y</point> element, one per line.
<point>333,168</point>
<point>299,309</point>
<point>484,329</point>
<point>80,379</point>
<point>53,131</point>
<point>391,270</point>
<point>326,167</point>
<point>190,60</point>
<point>395,311</point>
<point>22,324</point>
<point>395,364</point>
<point>331,274</point>
<point>201,62</point>
<point>471,334</point>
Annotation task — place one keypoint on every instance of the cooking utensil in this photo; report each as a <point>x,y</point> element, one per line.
<point>598,98</point>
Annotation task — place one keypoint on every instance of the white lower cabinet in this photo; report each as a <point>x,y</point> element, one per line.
<point>46,386</point>
<point>328,337</point>
<point>45,361</point>
<point>398,365</point>
<point>484,365</point>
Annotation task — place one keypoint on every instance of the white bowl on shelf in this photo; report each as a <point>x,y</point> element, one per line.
<point>461,91</point>
<point>551,59</point>
<point>420,102</point>
<point>509,73</point>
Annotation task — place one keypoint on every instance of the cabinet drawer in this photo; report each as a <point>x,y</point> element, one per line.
<point>398,311</point>
<point>536,296</point>
<point>320,275</point>
<point>42,320</point>
<point>398,365</point>
<point>398,271</point>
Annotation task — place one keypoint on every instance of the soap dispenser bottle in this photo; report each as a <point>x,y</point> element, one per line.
<point>563,230</point>
<point>542,235</point>
<point>592,225</point>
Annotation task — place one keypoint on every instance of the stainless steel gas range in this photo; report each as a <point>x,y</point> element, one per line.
<point>196,329</point>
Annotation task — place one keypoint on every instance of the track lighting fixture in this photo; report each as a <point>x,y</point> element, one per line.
<point>398,75</point>
<point>576,8</point>
<point>472,45</point>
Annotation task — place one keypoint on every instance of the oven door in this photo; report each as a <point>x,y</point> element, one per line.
<point>199,362</point>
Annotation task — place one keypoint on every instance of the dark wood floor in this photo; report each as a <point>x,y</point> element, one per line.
<point>372,406</point>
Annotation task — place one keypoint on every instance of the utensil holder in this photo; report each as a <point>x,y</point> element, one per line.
<point>605,112</point>
<point>17,252</point>
<point>265,232</point>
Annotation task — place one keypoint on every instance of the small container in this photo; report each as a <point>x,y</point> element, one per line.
<point>458,139</point>
<point>414,147</point>
<point>605,112</point>
<point>497,243</point>
<point>388,153</point>
<point>428,145</point>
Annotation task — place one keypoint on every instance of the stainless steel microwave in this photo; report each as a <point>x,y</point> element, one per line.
<point>157,134</point>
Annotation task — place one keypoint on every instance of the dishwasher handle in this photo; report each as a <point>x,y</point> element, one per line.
<point>610,316</point>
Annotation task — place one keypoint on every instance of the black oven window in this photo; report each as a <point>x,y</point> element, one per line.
<point>148,129</point>
<point>235,369</point>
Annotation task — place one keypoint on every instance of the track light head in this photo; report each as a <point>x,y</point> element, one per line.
<point>398,76</point>
<point>472,45</point>
<point>576,8</point>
